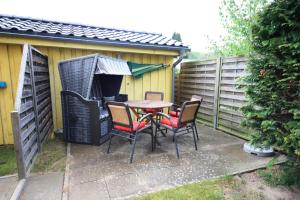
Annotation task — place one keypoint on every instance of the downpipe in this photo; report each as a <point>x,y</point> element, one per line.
<point>173,75</point>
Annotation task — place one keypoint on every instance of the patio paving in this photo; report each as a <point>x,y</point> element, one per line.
<point>97,175</point>
<point>7,186</point>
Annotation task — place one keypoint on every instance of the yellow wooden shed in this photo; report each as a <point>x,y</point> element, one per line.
<point>61,41</point>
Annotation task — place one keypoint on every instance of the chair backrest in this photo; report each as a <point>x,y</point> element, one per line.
<point>155,96</point>
<point>120,113</point>
<point>196,98</point>
<point>189,111</point>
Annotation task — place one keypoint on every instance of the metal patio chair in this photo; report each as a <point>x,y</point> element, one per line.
<point>175,112</point>
<point>183,124</point>
<point>125,127</point>
<point>154,96</point>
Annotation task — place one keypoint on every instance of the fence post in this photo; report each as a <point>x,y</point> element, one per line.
<point>18,145</point>
<point>217,92</point>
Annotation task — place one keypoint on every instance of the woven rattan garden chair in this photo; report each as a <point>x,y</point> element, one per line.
<point>184,124</point>
<point>125,127</point>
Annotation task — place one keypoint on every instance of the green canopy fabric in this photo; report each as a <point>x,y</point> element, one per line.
<point>138,70</point>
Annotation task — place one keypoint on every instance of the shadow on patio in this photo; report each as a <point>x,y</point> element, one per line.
<point>97,175</point>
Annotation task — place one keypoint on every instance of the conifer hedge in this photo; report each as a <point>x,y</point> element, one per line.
<point>273,83</point>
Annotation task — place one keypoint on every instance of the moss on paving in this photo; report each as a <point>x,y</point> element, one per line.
<point>7,160</point>
<point>218,189</point>
<point>52,158</point>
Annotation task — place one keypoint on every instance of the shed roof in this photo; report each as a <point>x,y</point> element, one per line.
<point>21,26</point>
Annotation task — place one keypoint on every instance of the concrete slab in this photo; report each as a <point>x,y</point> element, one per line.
<point>7,186</point>
<point>91,169</point>
<point>94,190</point>
<point>46,186</point>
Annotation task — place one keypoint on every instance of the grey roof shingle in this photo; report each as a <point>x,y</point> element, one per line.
<point>12,25</point>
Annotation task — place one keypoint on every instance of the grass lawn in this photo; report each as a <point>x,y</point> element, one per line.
<point>52,157</point>
<point>7,160</point>
<point>219,189</point>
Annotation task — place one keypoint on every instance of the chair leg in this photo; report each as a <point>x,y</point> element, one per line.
<point>152,141</point>
<point>176,146</point>
<point>132,149</point>
<point>160,130</point>
<point>110,137</point>
<point>196,131</point>
<point>155,137</point>
<point>194,137</point>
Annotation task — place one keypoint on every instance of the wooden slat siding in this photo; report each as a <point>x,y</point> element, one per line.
<point>15,57</point>
<point>146,77</point>
<point>149,81</point>
<point>138,83</point>
<point>6,95</point>
<point>129,85</point>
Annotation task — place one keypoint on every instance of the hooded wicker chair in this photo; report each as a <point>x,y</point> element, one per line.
<point>87,83</point>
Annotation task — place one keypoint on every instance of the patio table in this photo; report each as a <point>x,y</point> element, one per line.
<point>146,104</point>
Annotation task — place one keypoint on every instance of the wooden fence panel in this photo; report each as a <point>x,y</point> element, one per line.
<point>199,78</point>
<point>231,98</point>
<point>216,81</point>
<point>32,116</point>
<point>42,93</point>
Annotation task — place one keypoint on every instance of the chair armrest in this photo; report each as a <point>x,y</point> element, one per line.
<point>144,117</point>
<point>166,116</point>
<point>163,114</point>
<point>175,105</point>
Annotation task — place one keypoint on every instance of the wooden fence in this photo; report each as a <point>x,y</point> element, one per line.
<point>216,81</point>
<point>32,116</point>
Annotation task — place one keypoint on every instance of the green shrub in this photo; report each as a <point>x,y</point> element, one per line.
<point>272,84</point>
<point>286,174</point>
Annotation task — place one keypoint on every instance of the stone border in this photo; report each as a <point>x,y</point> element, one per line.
<point>251,169</point>
<point>8,176</point>
<point>65,192</point>
<point>18,190</point>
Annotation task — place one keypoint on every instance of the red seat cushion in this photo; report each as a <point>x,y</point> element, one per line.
<point>167,121</point>
<point>174,113</point>
<point>127,129</point>
<point>150,110</point>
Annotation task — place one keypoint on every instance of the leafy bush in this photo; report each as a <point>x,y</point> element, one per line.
<point>273,83</point>
<point>285,174</point>
<point>237,18</point>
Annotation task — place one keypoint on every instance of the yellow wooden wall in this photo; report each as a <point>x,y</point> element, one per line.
<point>10,59</point>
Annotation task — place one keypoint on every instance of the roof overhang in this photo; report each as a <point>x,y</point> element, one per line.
<point>86,40</point>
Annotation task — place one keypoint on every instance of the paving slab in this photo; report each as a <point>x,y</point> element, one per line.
<point>7,186</point>
<point>93,190</point>
<point>43,186</point>
<point>94,174</point>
